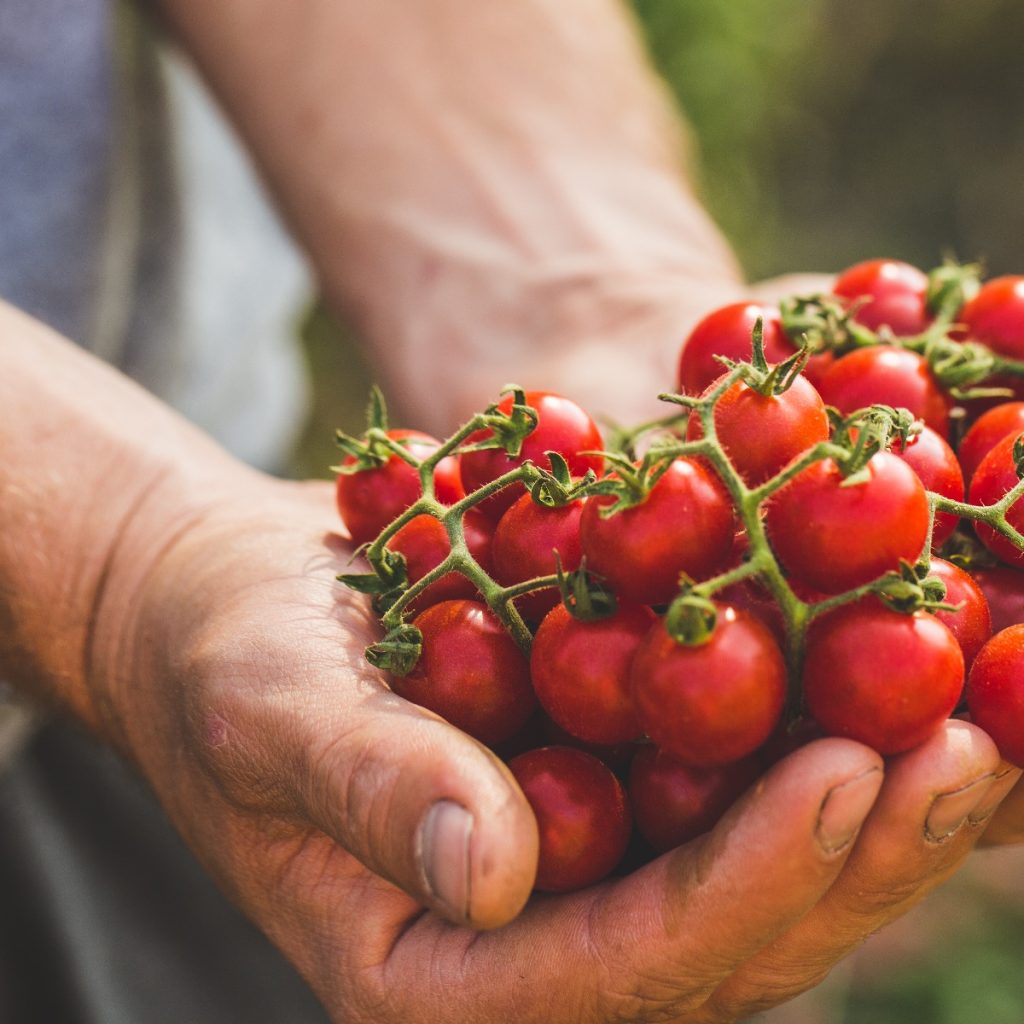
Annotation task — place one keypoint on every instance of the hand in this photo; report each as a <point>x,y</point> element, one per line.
<point>333,812</point>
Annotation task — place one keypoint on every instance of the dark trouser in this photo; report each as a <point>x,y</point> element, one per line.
<point>105,917</point>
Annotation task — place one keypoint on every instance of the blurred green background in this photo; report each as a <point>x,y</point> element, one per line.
<point>827,132</point>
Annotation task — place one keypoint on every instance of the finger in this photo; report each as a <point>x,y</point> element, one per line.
<point>294,723</point>
<point>926,820</point>
<point>1006,825</point>
<point>660,940</point>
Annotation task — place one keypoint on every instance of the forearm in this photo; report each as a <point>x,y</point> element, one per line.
<point>86,455</point>
<point>486,187</point>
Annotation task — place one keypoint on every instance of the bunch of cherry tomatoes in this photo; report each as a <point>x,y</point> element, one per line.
<point>824,537</point>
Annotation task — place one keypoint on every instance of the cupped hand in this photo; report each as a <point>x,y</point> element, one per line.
<point>335,813</point>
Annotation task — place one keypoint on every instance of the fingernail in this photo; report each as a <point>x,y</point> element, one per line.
<point>443,852</point>
<point>1003,783</point>
<point>949,810</point>
<point>844,809</point>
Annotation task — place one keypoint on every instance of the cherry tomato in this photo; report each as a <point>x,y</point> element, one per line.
<point>582,816</point>
<point>896,294</point>
<point>995,316</point>
<point>994,478</point>
<point>581,671</point>
<point>884,374</point>
<point>369,500</point>
<point>987,431</point>
<point>714,703</point>
<point>673,802</point>
<point>424,543</point>
<point>995,692</point>
<point>880,677</point>
<point>525,541</point>
<point>1003,588</point>
<point>685,524</point>
<point>728,332</point>
<point>562,426</point>
<point>470,672</point>
<point>972,624</point>
<point>762,433</point>
<point>937,468</point>
<point>832,535</point>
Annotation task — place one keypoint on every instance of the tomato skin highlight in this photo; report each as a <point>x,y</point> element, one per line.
<point>761,434</point>
<point>525,541</point>
<point>994,478</point>
<point>896,293</point>
<point>728,331</point>
<point>710,704</point>
<point>674,803</point>
<point>890,376</point>
<point>581,672</point>
<point>972,623</point>
<point>995,692</point>
<point>367,501</point>
<point>582,813</point>
<point>562,426</point>
<point>880,677</point>
<point>470,672</point>
<point>685,524</point>
<point>833,536</point>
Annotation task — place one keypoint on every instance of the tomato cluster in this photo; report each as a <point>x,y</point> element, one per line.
<point>640,631</point>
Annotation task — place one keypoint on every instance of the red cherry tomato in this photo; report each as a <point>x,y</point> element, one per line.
<point>369,500</point>
<point>424,543</point>
<point>995,692</point>
<point>582,816</point>
<point>896,294</point>
<point>686,524</point>
<point>714,703</point>
<point>525,541</point>
<point>995,316</point>
<point>994,478</point>
<point>972,624</point>
<point>470,672</point>
<point>884,374</point>
<point>562,426</point>
<point>581,671</point>
<point>831,535</point>
<point>880,677</point>
<point>762,433</point>
<point>987,431</point>
<point>1003,588</point>
<point>937,468</point>
<point>673,802</point>
<point>728,332</point>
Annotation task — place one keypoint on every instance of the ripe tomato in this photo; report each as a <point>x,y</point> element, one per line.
<point>369,500</point>
<point>972,624</point>
<point>582,816</point>
<point>686,524</point>
<point>673,802</point>
<point>994,478</point>
<point>762,433</point>
<point>937,468</point>
<point>995,316</point>
<point>525,541</point>
<point>831,535</point>
<point>470,672</point>
<point>728,332</point>
<point>580,672</point>
<point>880,677</point>
<point>884,374</point>
<point>714,703</point>
<point>987,431</point>
<point>995,692</point>
<point>424,543</point>
<point>1003,588</point>
<point>896,293</point>
<point>562,426</point>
